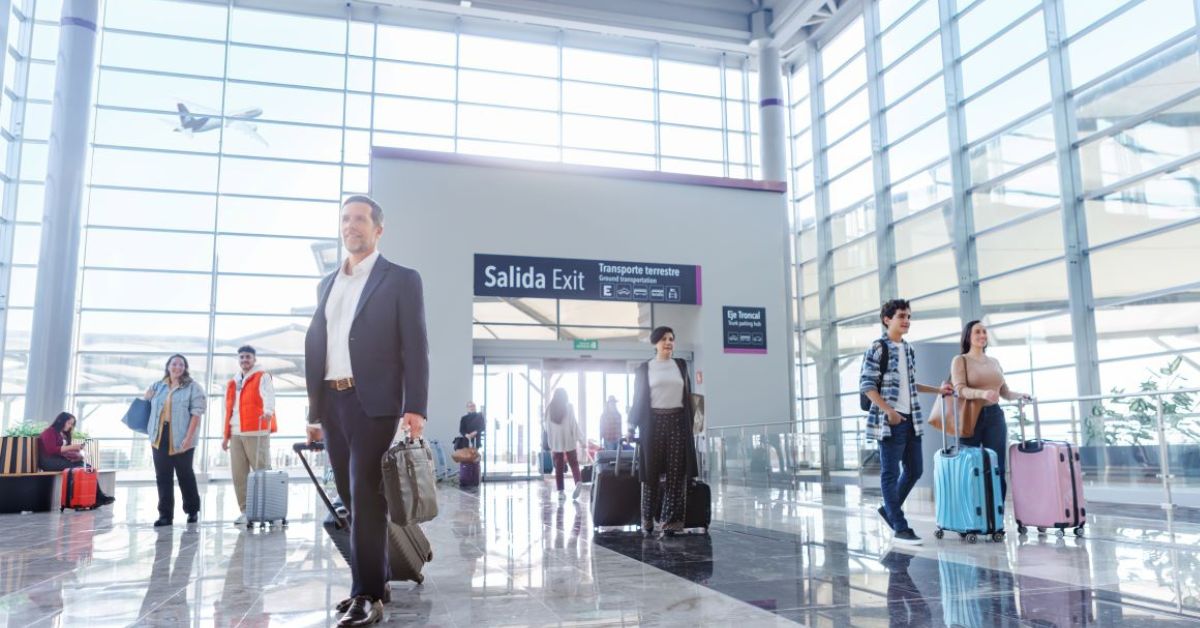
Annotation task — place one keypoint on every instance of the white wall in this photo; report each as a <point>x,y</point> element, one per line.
<point>442,209</point>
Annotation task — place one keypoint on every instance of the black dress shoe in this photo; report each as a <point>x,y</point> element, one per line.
<point>162,521</point>
<point>363,611</point>
<point>344,605</point>
<point>105,501</point>
<point>194,517</point>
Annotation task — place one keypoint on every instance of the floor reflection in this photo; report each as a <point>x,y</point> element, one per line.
<point>906,604</point>
<point>513,554</point>
<point>166,601</point>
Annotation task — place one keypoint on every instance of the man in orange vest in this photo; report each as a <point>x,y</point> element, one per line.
<point>249,422</point>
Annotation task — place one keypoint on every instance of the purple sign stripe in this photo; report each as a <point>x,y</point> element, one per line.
<point>595,171</point>
<point>771,102</point>
<point>699,292</point>
<point>755,351</point>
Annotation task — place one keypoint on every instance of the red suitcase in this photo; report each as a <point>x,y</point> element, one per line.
<point>78,488</point>
<point>1047,482</point>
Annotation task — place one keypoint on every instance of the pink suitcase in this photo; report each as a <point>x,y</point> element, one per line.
<point>1047,483</point>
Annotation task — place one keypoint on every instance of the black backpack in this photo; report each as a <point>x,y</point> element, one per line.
<point>864,401</point>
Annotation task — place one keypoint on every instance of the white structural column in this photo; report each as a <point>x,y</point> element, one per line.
<point>1074,220</point>
<point>58,261</point>
<point>771,108</point>
<point>966,261</point>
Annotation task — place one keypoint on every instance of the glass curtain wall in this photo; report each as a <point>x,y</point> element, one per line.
<point>223,138</point>
<point>968,218</point>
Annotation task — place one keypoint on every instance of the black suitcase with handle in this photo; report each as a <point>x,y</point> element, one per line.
<point>616,492</point>
<point>698,508</point>
<point>408,548</point>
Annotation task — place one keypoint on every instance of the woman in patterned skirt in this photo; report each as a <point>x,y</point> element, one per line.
<point>662,413</point>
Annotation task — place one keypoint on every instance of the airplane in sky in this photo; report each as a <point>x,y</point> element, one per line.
<point>191,123</point>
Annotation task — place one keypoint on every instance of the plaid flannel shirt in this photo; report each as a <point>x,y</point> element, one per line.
<point>877,425</point>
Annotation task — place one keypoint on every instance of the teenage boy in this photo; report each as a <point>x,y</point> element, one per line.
<point>894,419</point>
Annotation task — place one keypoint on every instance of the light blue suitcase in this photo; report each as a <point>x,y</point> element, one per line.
<point>966,489</point>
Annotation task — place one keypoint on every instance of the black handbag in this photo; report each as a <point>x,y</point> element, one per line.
<point>864,401</point>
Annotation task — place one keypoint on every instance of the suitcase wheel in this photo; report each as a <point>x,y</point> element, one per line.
<point>939,533</point>
<point>972,538</point>
<point>1060,532</point>
<point>1079,531</point>
<point>1041,530</point>
<point>1022,529</point>
<point>419,579</point>
<point>998,537</point>
<point>283,523</point>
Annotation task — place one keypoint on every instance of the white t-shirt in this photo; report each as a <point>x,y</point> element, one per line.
<point>903,403</point>
<point>666,384</point>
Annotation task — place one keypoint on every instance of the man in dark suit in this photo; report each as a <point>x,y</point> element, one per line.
<point>367,370</point>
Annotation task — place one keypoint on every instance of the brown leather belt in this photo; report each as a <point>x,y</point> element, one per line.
<point>341,384</point>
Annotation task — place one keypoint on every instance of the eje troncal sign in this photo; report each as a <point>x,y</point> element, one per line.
<point>599,280</point>
<point>745,329</point>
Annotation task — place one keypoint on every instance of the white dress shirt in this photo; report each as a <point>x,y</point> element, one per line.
<point>339,315</point>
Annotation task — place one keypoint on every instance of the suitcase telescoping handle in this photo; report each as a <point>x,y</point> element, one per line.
<point>1037,418</point>
<point>954,412</point>
<point>617,461</point>
<point>300,448</point>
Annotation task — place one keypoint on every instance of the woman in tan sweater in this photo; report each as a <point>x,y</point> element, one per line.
<point>976,376</point>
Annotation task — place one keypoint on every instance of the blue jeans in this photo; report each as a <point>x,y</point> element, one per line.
<point>992,432</point>
<point>903,447</point>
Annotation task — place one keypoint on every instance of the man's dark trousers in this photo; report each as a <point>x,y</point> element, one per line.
<point>355,443</point>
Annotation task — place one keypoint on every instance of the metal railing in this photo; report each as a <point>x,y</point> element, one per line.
<point>1124,440</point>
<point>132,453</point>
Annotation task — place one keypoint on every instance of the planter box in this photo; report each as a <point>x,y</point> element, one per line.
<point>18,454</point>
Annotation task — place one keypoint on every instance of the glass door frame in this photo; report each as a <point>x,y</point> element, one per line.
<point>508,453</point>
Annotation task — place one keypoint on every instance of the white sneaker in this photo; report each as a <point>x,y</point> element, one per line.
<point>241,520</point>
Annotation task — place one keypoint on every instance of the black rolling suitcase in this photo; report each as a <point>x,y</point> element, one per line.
<point>698,508</point>
<point>697,512</point>
<point>616,492</point>
<point>408,549</point>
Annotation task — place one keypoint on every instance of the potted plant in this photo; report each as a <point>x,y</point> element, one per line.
<point>1128,430</point>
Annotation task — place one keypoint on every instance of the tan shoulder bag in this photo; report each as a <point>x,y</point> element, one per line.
<point>967,411</point>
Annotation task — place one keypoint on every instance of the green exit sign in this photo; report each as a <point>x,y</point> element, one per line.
<point>587,345</point>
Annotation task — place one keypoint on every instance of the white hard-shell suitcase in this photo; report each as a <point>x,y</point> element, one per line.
<point>267,498</point>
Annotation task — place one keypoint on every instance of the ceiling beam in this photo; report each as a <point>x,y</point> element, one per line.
<point>619,24</point>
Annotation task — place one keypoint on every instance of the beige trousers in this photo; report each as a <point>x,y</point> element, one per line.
<point>246,453</point>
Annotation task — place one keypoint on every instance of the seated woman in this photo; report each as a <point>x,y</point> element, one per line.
<point>57,453</point>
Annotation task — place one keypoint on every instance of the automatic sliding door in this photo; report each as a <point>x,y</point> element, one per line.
<point>511,400</point>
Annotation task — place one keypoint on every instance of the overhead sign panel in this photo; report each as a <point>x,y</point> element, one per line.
<point>597,280</point>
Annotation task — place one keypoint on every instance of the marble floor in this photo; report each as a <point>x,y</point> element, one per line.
<point>512,554</point>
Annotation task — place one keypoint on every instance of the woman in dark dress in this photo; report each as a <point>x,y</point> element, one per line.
<point>662,411</point>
